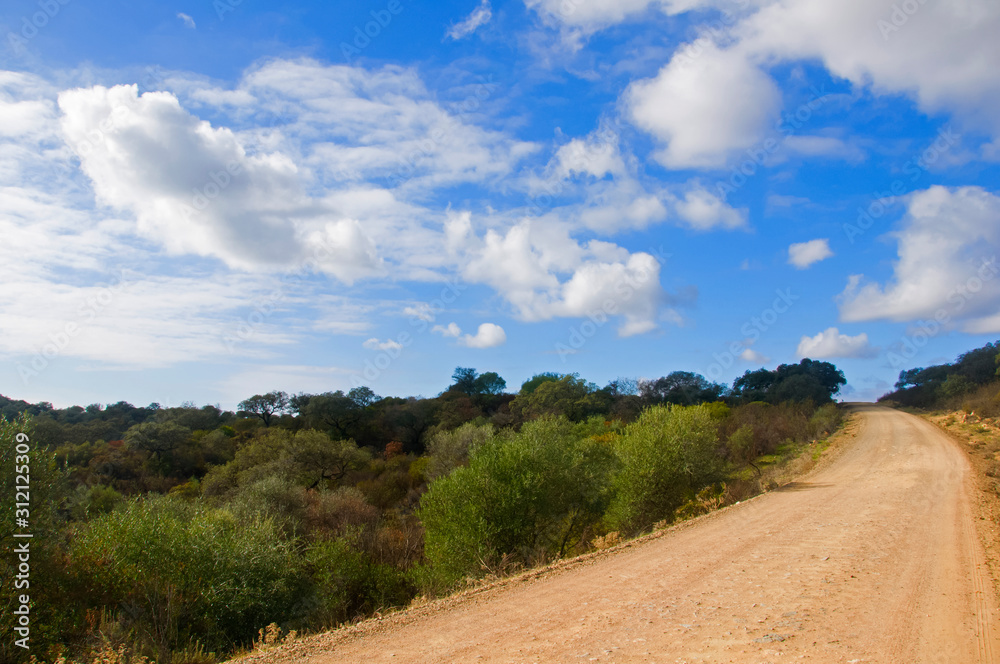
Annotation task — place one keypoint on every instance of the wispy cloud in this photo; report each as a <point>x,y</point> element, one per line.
<point>479,17</point>
<point>188,21</point>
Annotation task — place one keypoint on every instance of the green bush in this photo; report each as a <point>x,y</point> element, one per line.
<point>55,616</point>
<point>347,582</point>
<point>180,572</point>
<point>447,450</point>
<point>524,496</point>
<point>666,456</point>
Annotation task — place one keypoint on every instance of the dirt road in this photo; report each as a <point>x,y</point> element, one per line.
<point>872,558</point>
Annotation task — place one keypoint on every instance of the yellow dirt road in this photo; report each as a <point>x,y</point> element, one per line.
<point>873,558</point>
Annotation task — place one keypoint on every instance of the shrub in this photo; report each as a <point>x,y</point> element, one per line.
<point>526,495</point>
<point>666,456</point>
<point>177,572</point>
<point>447,450</point>
<point>349,583</point>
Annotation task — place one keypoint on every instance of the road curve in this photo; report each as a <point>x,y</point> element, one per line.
<point>873,558</point>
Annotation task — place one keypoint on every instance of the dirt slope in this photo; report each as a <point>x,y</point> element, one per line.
<point>872,558</point>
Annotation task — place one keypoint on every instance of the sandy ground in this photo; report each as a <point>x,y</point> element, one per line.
<point>873,557</point>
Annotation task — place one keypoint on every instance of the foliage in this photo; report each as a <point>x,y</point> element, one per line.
<point>680,387</point>
<point>947,385</point>
<point>666,455</point>
<point>527,495</point>
<point>265,406</point>
<point>809,380</point>
<point>178,571</point>
<point>448,450</point>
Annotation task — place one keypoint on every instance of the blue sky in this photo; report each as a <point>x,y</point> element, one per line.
<point>205,200</point>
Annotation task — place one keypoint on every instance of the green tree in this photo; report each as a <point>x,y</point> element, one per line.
<point>265,406</point>
<point>680,387</point>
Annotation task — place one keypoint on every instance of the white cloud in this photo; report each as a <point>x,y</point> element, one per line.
<point>590,156</point>
<point>188,21</point>
<point>945,241</point>
<point>590,16</point>
<point>804,254</point>
<point>195,189</point>
<point>689,106</point>
<point>375,344</point>
<point>873,43</point>
<point>451,330</point>
<point>832,344</point>
<point>479,17</point>
<point>525,266</point>
<point>703,210</point>
<point>753,357</point>
<point>489,335</point>
<point>421,311</point>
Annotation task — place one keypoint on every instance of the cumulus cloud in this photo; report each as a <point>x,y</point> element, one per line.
<point>588,16</point>
<point>947,249</point>
<point>703,210</point>
<point>877,45</point>
<point>527,263</point>
<point>450,330</point>
<point>489,335</point>
<point>804,254</point>
<point>375,344</point>
<point>479,17</point>
<point>689,107</point>
<point>830,343</point>
<point>753,357</point>
<point>195,189</point>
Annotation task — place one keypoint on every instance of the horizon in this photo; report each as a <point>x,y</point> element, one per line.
<point>223,200</point>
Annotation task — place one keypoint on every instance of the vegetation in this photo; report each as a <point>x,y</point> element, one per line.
<point>970,383</point>
<point>178,534</point>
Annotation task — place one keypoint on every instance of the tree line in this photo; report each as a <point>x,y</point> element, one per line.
<point>177,533</point>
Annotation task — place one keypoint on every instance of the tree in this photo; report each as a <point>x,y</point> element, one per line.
<point>490,383</point>
<point>318,458</point>
<point>809,380</point>
<point>754,385</point>
<point>567,395</point>
<point>681,387</point>
<point>530,385</point>
<point>465,381</point>
<point>157,438</point>
<point>265,406</point>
